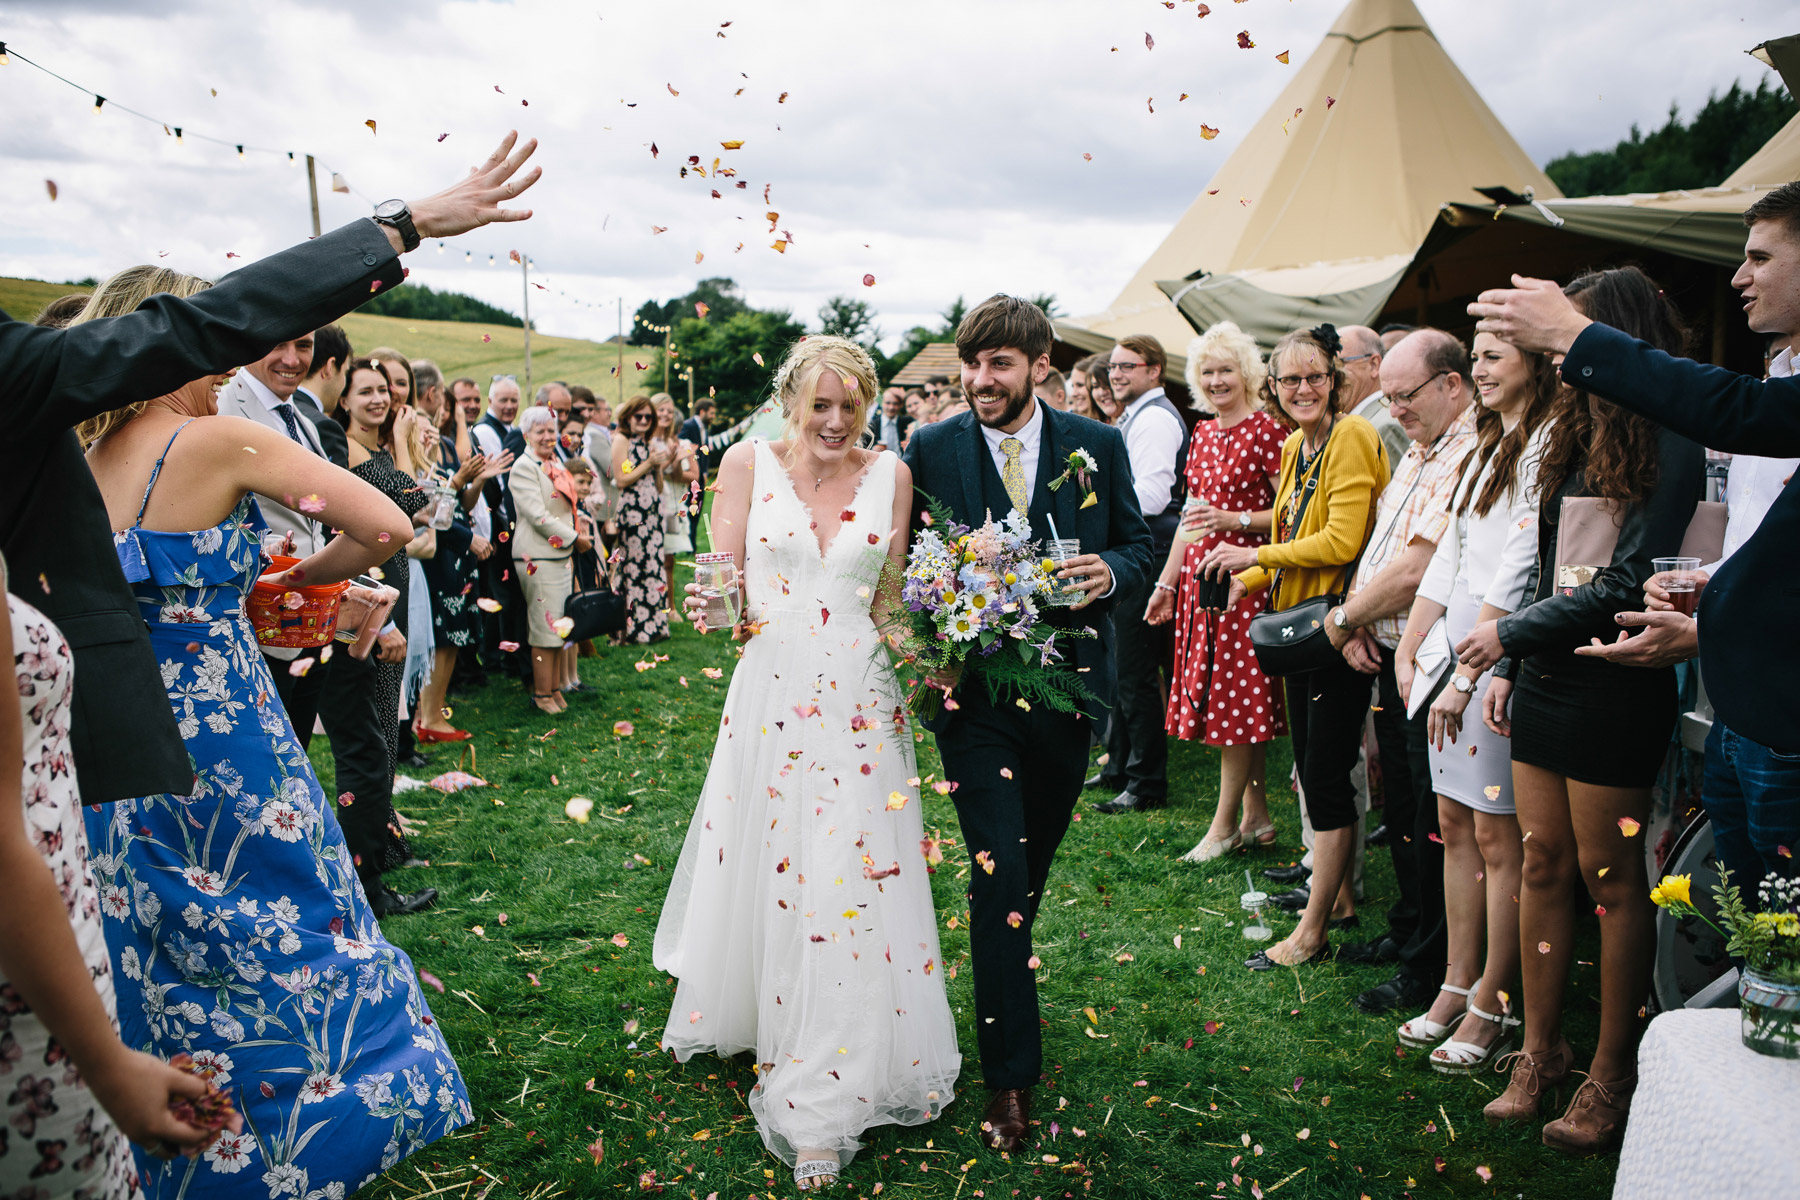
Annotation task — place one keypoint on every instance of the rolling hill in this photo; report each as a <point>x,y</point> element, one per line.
<point>457,347</point>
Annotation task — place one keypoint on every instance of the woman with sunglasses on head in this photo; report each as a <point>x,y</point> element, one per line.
<point>1333,468</point>
<point>637,470</point>
<point>1589,736</point>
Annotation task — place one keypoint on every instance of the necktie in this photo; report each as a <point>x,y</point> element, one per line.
<point>292,422</point>
<point>1013,474</point>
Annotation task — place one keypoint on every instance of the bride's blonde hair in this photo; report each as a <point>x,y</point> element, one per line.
<point>797,381</point>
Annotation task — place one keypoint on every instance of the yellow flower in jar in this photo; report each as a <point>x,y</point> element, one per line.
<point>1011,579</point>
<point>1048,565</point>
<point>1672,891</point>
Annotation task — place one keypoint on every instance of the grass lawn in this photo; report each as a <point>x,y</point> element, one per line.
<point>1198,1079</point>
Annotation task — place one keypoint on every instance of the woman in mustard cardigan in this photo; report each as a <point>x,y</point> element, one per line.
<point>1333,468</point>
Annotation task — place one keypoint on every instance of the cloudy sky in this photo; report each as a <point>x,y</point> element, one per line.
<point>937,145</point>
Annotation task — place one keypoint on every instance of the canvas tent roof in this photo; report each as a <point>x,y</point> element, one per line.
<point>1334,188</point>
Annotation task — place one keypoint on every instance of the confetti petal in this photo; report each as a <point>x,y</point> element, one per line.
<point>1629,826</point>
<point>623,729</point>
<point>371,125</point>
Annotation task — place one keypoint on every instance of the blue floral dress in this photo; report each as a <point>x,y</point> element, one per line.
<point>237,928</point>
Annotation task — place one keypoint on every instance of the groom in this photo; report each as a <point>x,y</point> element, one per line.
<point>1019,770</point>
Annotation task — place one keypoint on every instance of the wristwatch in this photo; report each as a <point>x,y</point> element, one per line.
<point>1463,684</point>
<point>1337,617</point>
<point>1244,520</point>
<point>394,213</point>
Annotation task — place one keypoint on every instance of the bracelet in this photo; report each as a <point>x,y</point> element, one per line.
<point>1160,586</point>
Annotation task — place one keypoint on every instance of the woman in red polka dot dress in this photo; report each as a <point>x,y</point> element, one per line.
<point>1220,693</point>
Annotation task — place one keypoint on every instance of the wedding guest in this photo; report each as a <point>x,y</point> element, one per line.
<point>1478,573</point>
<point>556,397</point>
<point>587,564</point>
<point>1363,352</point>
<point>432,399</point>
<point>1078,391</point>
<point>403,387</point>
<point>317,396</point>
<point>1105,405</point>
<point>1053,391</point>
<point>453,576</point>
<point>495,435</point>
<point>465,394</point>
<point>677,480</point>
<point>581,402</point>
<point>54,968</point>
<point>1220,695</point>
<point>1332,471</point>
<point>381,455</point>
<point>545,541</point>
<point>1426,383</point>
<point>635,470</point>
<point>597,443</point>
<point>890,429</point>
<point>179,486</point>
<point>1392,332</point>
<point>1588,736</point>
<point>1156,440</point>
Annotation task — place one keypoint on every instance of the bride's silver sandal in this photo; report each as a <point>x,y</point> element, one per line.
<point>824,1170</point>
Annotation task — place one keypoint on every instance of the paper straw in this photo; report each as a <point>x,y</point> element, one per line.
<point>1057,536</point>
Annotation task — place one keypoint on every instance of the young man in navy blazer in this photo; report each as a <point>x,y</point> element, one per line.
<point>1743,629</point>
<point>1019,770</point>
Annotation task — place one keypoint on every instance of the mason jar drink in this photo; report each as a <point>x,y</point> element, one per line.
<point>1064,592</point>
<point>716,575</point>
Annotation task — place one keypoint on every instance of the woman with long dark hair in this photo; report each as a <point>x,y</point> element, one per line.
<point>1479,573</point>
<point>1589,736</point>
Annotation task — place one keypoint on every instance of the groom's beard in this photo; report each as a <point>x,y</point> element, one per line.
<point>1015,404</point>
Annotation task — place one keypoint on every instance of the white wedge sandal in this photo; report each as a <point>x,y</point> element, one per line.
<point>1465,1058</point>
<point>1422,1032</point>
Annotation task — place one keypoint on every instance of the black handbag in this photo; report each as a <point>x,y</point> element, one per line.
<point>1293,641</point>
<point>594,607</point>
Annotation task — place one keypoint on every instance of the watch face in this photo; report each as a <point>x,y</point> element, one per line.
<point>390,208</point>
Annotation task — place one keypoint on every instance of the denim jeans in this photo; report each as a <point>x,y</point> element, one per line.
<point>1752,794</point>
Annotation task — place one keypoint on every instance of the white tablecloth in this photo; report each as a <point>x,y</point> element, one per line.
<point>1710,1118</point>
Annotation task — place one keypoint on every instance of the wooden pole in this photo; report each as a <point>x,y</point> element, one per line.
<point>668,334</point>
<point>312,185</point>
<point>525,284</point>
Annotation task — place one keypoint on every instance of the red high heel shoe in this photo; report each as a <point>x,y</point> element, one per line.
<point>429,736</point>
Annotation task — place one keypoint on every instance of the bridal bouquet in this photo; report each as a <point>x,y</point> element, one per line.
<point>971,597</point>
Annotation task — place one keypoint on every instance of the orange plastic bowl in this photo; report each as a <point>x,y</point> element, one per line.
<point>293,618</point>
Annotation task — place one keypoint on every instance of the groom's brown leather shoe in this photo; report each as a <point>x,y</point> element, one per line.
<point>1007,1119</point>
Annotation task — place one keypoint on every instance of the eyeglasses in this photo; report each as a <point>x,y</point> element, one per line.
<point>1291,383</point>
<point>1123,368</point>
<point>643,416</point>
<point>1406,397</point>
<point>1349,358</point>
<point>498,378</point>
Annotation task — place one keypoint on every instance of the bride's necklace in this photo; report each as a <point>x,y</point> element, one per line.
<point>819,480</point>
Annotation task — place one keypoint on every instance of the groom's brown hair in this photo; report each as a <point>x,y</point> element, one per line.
<point>1003,320</point>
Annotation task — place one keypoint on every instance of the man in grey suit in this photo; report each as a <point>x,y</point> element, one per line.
<point>318,394</point>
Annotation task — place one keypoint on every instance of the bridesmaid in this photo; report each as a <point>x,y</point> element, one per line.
<point>636,468</point>
<point>1222,696</point>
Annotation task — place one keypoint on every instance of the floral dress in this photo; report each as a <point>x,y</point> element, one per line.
<point>57,1141</point>
<point>237,927</point>
<point>1220,694</point>
<point>642,580</point>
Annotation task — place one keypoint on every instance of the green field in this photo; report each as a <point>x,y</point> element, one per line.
<point>1200,1078</point>
<point>457,347</point>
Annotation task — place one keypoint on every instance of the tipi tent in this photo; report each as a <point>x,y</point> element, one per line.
<point>1331,193</point>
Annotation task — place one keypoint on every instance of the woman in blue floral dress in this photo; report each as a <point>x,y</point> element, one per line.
<point>236,925</point>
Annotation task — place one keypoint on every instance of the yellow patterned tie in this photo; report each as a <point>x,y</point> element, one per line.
<point>1013,474</point>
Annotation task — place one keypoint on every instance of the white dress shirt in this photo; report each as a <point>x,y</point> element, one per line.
<point>1752,484</point>
<point>1491,555</point>
<point>1031,436</point>
<point>308,435</point>
<point>1153,439</point>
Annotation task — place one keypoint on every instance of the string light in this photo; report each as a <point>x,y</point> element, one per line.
<point>240,151</point>
<point>3,59</point>
<point>99,103</point>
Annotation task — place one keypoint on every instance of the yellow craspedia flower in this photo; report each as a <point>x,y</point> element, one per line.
<point>1673,890</point>
<point>968,557</point>
<point>1011,579</point>
<point>1048,565</point>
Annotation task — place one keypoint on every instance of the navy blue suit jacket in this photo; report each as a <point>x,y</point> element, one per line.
<point>1749,652</point>
<point>950,462</point>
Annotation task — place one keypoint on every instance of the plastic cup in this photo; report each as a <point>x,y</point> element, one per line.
<point>1060,551</point>
<point>1681,579</point>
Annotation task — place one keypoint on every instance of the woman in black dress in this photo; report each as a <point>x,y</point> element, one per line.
<point>1589,736</point>
<point>451,575</point>
<point>378,429</point>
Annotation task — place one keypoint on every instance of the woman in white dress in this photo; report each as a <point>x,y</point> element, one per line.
<point>799,920</point>
<point>1479,573</point>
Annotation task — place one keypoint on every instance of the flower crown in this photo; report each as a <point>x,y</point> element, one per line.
<point>808,350</point>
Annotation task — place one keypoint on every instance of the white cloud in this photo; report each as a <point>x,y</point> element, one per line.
<point>936,145</point>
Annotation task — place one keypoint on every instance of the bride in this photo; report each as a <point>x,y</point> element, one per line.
<point>799,920</point>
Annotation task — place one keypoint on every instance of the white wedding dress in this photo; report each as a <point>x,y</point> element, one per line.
<point>799,921</point>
